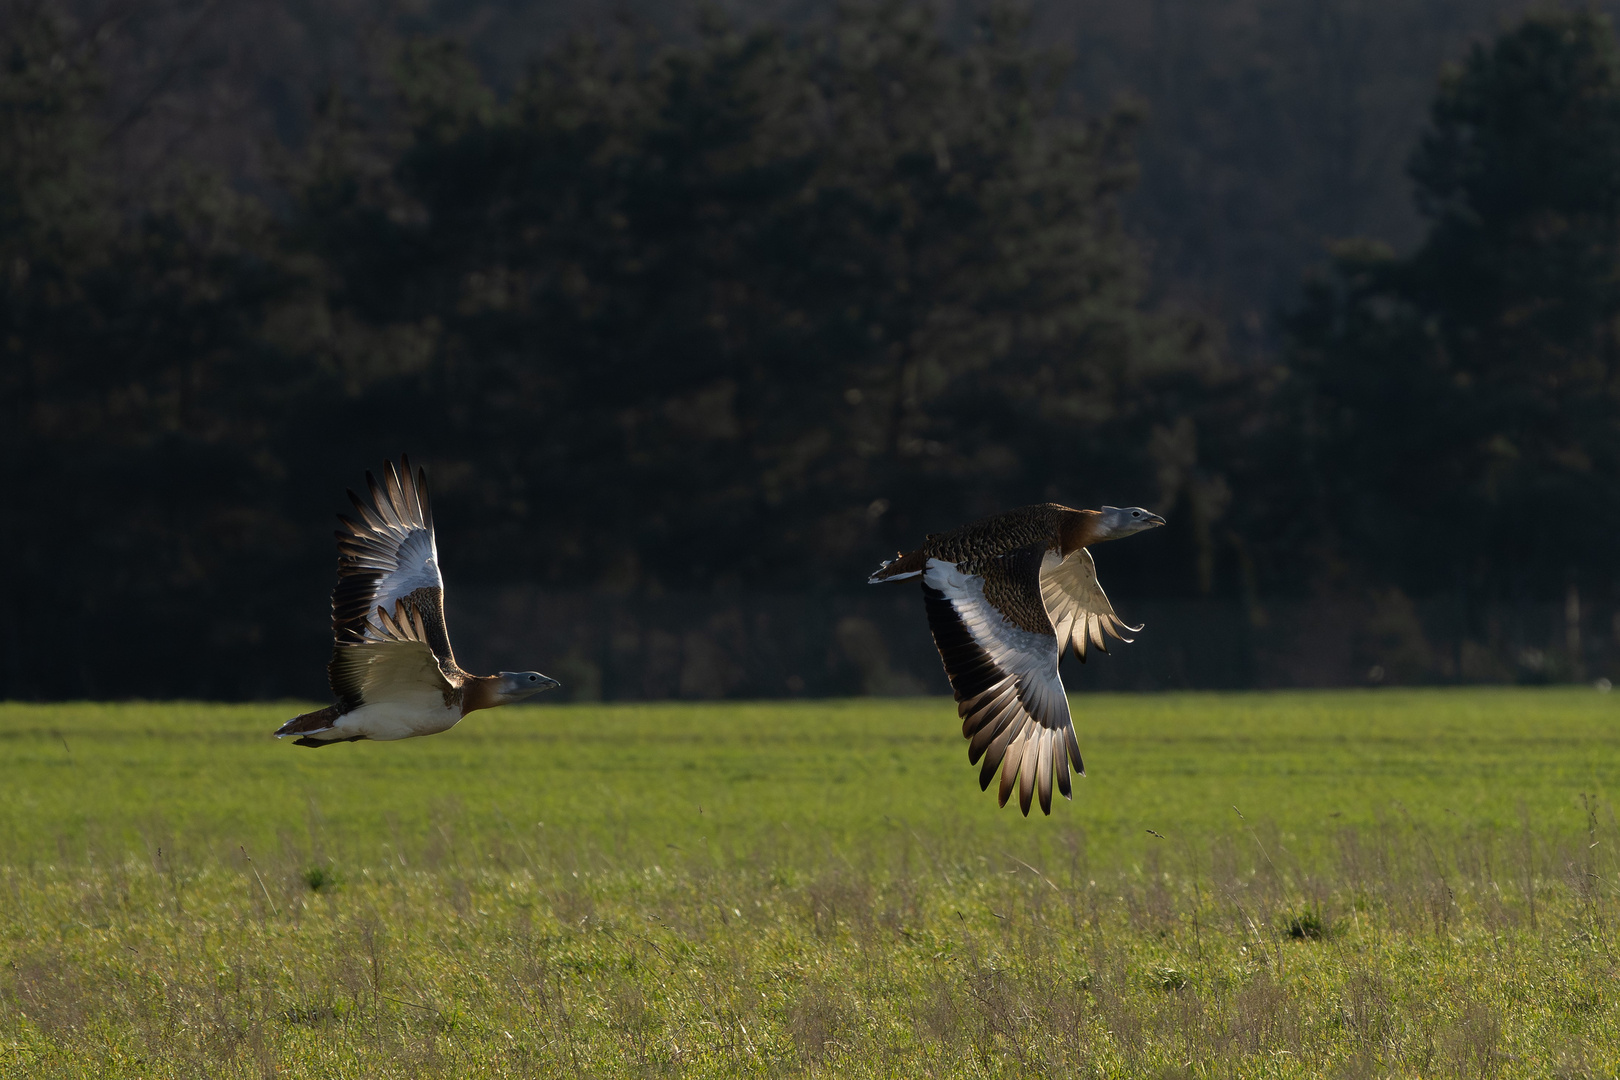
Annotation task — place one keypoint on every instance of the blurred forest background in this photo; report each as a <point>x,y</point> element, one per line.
<point>694,314</point>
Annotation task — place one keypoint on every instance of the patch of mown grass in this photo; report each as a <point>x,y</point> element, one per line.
<point>1418,884</point>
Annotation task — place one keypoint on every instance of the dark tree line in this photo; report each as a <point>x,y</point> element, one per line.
<point>760,304</point>
<point>1462,403</point>
<point>744,309</point>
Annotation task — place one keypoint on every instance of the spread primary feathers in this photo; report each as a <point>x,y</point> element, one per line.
<point>392,671</point>
<point>1005,597</point>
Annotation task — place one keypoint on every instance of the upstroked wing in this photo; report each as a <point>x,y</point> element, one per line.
<point>389,557</point>
<point>1078,607</point>
<point>1011,700</point>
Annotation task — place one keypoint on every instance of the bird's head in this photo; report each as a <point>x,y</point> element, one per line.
<point>1123,521</point>
<point>513,686</point>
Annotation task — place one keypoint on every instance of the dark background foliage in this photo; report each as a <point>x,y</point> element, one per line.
<point>693,313</point>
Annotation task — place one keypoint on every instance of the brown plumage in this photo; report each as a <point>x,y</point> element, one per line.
<point>1005,597</point>
<point>392,670</point>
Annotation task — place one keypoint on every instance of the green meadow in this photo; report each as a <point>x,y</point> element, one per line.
<point>1380,883</point>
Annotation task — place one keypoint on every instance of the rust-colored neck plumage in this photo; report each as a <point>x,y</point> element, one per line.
<point>480,692</point>
<point>1079,528</point>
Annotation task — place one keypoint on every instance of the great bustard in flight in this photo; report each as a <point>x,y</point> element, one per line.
<point>1005,597</point>
<point>392,671</point>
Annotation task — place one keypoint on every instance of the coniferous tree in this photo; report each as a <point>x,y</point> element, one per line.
<point>1461,406</point>
<point>135,391</point>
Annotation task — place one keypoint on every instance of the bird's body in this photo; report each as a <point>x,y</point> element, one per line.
<point>392,670</point>
<point>1005,597</point>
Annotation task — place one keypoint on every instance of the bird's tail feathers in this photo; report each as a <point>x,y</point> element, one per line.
<point>899,568</point>
<point>319,720</point>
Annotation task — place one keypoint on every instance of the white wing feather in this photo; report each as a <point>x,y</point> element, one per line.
<point>1025,712</point>
<point>394,541</point>
<point>417,567</point>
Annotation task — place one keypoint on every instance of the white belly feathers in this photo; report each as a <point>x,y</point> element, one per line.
<point>389,720</point>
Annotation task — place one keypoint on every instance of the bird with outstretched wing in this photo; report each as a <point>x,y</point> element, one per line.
<point>392,670</point>
<point>1006,597</point>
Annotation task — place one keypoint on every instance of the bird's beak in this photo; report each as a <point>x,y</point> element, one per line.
<point>1154,519</point>
<point>548,683</point>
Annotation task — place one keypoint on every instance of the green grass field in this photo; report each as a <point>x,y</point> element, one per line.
<point>1358,884</point>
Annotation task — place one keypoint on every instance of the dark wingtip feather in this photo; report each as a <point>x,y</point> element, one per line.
<point>407,485</point>
<point>996,753</point>
<point>379,498</point>
<point>397,500</point>
<point>1009,770</point>
<point>1043,781</point>
<point>367,515</point>
<point>422,497</point>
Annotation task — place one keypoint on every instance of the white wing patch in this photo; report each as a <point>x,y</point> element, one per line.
<point>389,553</point>
<point>416,567</point>
<point>394,541</point>
<point>1014,711</point>
<point>1016,651</point>
<point>1076,604</point>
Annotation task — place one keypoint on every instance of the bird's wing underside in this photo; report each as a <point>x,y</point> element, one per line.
<point>1078,607</point>
<point>1005,674</point>
<point>390,660</point>
<point>389,557</point>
